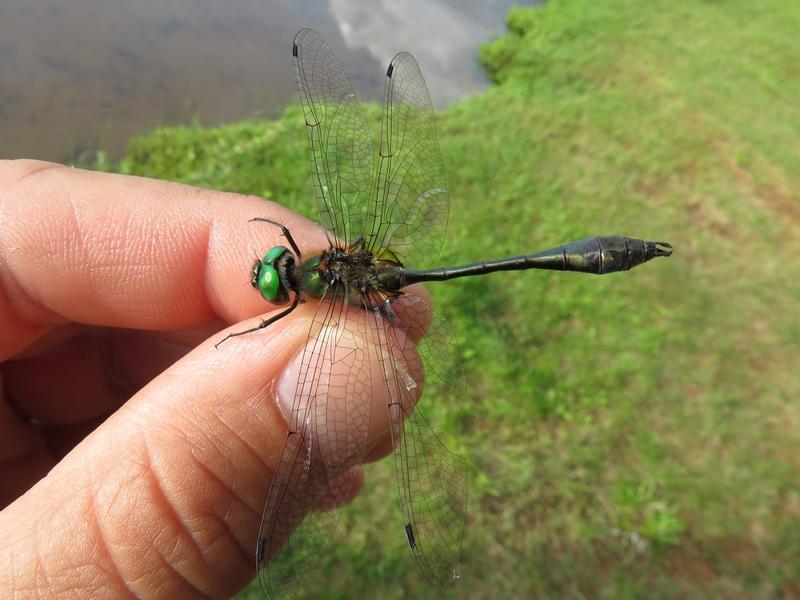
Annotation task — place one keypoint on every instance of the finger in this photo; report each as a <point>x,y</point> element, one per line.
<point>24,458</point>
<point>165,497</point>
<point>67,385</point>
<point>90,375</point>
<point>96,370</point>
<point>19,474</point>
<point>120,251</point>
<point>414,311</point>
<point>344,489</point>
<point>380,449</point>
<point>60,440</point>
<point>69,389</point>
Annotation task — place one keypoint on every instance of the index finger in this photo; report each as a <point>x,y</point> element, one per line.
<point>121,251</point>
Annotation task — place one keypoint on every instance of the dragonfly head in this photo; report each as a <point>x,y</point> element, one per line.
<point>272,275</point>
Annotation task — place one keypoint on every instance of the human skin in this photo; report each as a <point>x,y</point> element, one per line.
<point>135,456</point>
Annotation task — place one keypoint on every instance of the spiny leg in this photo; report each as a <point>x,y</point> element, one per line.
<point>385,307</point>
<point>263,324</point>
<point>387,311</point>
<point>286,233</point>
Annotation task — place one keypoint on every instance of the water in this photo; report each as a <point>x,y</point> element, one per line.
<point>79,75</point>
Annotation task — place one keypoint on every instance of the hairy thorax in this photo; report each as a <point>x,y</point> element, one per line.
<point>353,273</point>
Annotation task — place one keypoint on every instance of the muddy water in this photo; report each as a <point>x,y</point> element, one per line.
<point>78,75</point>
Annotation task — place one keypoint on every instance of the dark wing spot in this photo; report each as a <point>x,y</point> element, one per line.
<point>389,72</point>
<point>261,544</point>
<point>410,535</point>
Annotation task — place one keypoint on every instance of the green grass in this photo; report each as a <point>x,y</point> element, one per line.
<point>633,435</point>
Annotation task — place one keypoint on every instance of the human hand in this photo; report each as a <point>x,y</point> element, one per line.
<point>134,456</point>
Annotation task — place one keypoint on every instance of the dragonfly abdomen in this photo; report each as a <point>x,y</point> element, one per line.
<point>598,255</point>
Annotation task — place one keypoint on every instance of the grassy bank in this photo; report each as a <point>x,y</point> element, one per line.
<point>631,435</point>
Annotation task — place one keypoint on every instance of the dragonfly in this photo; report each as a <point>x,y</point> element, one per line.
<point>383,211</point>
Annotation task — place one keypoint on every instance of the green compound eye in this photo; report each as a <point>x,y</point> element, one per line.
<point>268,282</point>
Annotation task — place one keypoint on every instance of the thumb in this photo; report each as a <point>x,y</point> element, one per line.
<point>165,498</point>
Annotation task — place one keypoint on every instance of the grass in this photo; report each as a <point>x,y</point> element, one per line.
<point>632,435</point>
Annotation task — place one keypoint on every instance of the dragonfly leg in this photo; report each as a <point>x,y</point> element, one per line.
<point>387,311</point>
<point>264,323</point>
<point>285,231</point>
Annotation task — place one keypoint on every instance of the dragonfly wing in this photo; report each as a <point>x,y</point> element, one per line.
<point>340,147</point>
<point>431,480</point>
<point>328,427</point>
<point>411,206</point>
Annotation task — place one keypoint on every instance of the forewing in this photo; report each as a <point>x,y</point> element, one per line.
<point>431,480</point>
<point>328,427</point>
<point>409,213</point>
<point>340,147</point>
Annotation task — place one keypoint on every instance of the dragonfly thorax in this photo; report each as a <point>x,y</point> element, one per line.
<point>355,271</point>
